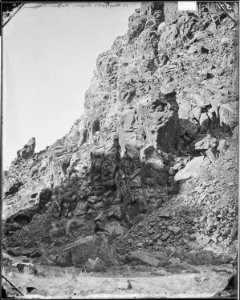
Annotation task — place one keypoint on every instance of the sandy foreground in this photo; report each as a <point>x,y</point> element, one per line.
<point>206,283</point>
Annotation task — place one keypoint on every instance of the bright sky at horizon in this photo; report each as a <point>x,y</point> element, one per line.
<point>187,5</point>
<point>49,55</point>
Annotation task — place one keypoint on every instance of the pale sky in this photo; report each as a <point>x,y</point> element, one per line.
<point>187,5</point>
<point>49,55</point>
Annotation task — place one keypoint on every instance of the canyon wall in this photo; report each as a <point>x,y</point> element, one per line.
<point>162,97</point>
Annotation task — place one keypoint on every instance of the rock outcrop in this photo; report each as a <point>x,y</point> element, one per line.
<point>28,150</point>
<point>161,109</point>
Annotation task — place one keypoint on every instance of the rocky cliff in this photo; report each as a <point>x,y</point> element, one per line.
<point>152,163</point>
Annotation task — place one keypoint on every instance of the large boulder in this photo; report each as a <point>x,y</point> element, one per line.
<point>81,250</point>
<point>28,150</point>
<point>228,114</point>
<point>91,247</point>
<point>143,258</point>
<point>206,142</point>
<point>191,169</point>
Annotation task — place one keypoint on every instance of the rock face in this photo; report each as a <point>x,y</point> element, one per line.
<point>91,247</point>
<point>28,149</point>
<point>143,257</point>
<point>161,106</point>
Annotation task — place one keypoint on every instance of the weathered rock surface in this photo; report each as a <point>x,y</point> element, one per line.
<point>191,169</point>
<point>143,257</point>
<point>90,248</point>
<point>28,149</point>
<point>152,163</point>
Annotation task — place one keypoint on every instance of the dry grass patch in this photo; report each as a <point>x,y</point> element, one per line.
<point>53,281</point>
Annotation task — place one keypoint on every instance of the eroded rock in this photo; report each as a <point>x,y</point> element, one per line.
<point>28,150</point>
<point>144,257</point>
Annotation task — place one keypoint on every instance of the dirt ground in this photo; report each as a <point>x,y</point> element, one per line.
<point>53,282</point>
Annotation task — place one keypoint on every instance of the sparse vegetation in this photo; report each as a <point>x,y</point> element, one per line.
<point>70,282</point>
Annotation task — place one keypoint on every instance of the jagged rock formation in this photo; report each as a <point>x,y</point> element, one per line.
<point>28,150</point>
<point>162,101</point>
